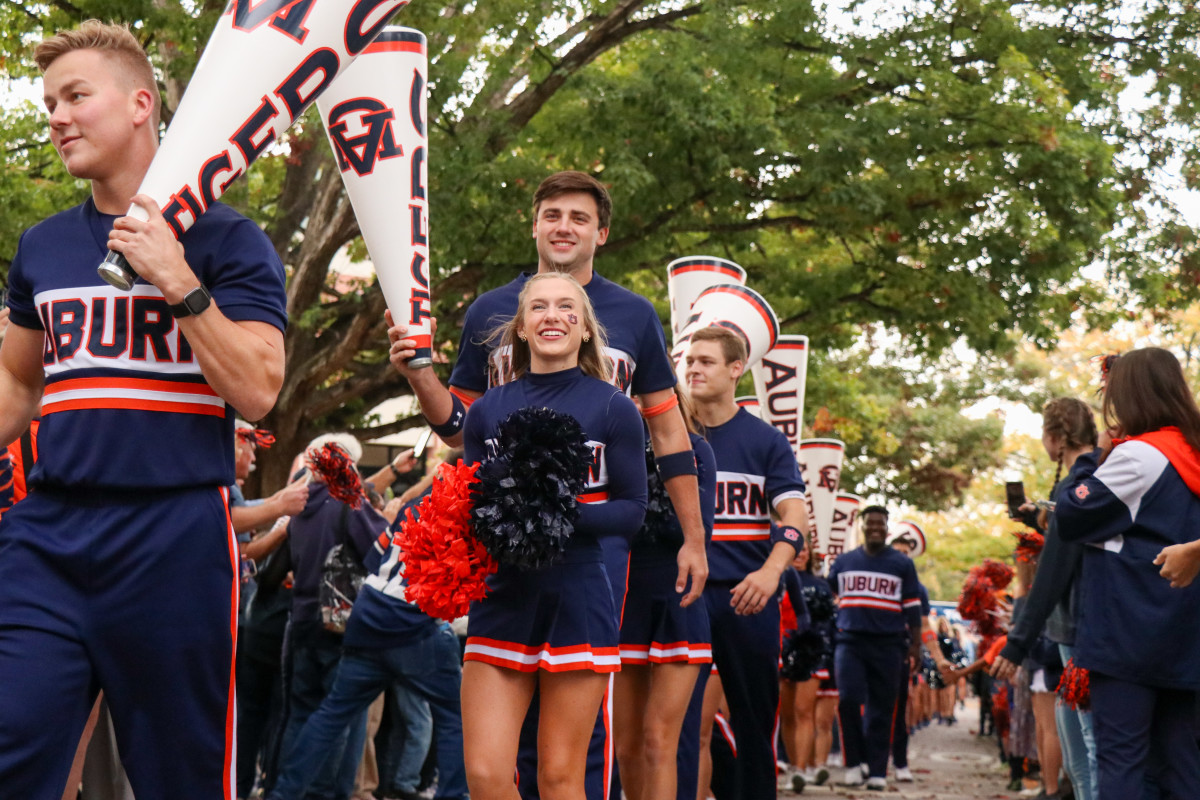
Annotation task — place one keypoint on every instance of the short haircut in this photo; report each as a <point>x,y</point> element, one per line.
<point>116,42</point>
<point>872,510</point>
<point>733,347</point>
<point>572,181</point>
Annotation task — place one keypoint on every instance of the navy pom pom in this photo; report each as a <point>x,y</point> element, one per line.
<point>524,502</point>
<point>659,526</point>
<point>820,604</point>
<point>803,654</point>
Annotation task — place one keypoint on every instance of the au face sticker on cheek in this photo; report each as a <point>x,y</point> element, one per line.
<point>571,318</point>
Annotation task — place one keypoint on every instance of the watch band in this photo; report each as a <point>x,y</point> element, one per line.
<point>194,302</point>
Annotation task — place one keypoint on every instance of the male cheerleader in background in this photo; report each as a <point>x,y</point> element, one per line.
<point>119,571</point>
<point>572,212</point>
<point>756,473</point>
<point>878,625</point>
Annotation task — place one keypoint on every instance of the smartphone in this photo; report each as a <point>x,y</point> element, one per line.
<point>1014,494</point>
<point>422,443</point>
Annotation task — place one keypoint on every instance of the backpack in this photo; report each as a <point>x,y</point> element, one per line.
<point>342,576</point>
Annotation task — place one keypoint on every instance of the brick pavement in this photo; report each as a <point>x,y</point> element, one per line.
<point>949,763</point>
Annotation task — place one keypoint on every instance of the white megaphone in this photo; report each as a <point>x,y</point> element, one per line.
<point>264,64</point>
<point>738,308</point>
<point>375,117</point>
<point>779,383</point>
<point>821,467</point>
<point>688,277</point>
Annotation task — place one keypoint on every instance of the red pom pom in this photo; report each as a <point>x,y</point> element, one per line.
<point>338,472</point>
<point>259,437</point>
<point>1029,545</point>
<point>999,573</point>
<point>445,566</point>
<point>1073,687</point>
<point>980,602</point>
<point>1000,710</point>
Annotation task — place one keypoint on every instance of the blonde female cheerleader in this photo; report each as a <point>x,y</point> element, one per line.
<point>553,628</point>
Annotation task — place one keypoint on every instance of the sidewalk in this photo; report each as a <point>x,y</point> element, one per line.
<point>949,763</point>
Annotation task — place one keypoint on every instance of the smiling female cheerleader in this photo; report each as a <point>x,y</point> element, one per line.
<point>553,627</point>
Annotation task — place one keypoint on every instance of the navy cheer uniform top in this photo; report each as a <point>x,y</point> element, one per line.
<point>877,595</point>
<point>636,345</point>
<point>124,395</point>
<point>756,470</point>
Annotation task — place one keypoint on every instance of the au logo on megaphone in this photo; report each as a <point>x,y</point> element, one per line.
<point>378,140</point>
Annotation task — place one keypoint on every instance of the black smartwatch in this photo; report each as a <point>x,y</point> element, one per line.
<point>194,302</point>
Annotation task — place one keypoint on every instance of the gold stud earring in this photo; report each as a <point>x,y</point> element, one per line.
<point>521,336</point>
<point>587,337</point>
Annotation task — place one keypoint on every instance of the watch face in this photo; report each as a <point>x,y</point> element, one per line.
<point>193,303</point>
<point>197,300</point>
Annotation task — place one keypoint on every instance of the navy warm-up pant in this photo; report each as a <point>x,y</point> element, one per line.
<point>900,723</point>
<point>135,594</point>
<point>1143,730</point>
<point>746,653</point>
<point>868,672</point>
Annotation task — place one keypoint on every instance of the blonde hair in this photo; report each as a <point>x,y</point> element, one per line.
<point>116,42</point>
<point>592,358</point>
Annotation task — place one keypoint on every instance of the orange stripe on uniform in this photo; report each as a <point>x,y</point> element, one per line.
<point>51,406</point>
<point>592,497</point>
<point>230,703</point>
<point>141,384</point>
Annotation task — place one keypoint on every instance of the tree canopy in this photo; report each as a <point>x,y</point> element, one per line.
<point>939,169</point>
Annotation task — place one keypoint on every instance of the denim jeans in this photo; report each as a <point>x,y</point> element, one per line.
<point>1078,742</point>
<point>429,667</point>
<point>411,735</point>
<point>315,662</point>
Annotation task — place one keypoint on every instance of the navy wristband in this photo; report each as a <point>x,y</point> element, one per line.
<point>787,534</point>
<point>454,425</point>
<point>676,464</point>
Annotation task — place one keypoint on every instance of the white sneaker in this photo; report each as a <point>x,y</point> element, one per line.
<point>798,782</point>
<point>854,777</point>
<point>877,784</point>
<point>904,775</point>
<point>817,776</point>
<point>834,760</point>
<point>784,781</point>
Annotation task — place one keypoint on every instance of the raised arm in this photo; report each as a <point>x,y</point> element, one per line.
<point>243,362</point>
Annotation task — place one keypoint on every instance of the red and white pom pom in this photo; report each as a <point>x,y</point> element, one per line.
<point>334,466</point>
